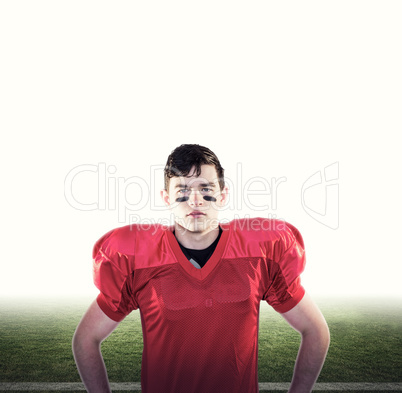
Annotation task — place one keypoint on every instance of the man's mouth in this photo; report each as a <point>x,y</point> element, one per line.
<point>196,214</point>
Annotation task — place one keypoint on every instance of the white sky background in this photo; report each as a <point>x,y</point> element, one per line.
<point>275,90</point>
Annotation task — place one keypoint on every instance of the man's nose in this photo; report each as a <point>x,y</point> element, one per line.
<point>195,199</point>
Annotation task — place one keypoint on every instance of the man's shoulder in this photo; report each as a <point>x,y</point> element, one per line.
<point>263,236</point>
<point>258,226</point>
<point>264,229</point>
<point>124,239</point>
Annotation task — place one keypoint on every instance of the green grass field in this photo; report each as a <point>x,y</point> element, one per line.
<point>366,342</point>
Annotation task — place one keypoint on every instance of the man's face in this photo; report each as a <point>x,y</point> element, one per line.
<point>195,201</point>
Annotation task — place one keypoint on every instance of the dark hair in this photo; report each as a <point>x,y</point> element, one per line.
<point>185,157</point>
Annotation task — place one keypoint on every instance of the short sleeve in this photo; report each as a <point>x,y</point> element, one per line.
<point>285,290</point>
<point>113,274</point>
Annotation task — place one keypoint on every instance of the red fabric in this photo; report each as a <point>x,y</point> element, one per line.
<point>200,326</point>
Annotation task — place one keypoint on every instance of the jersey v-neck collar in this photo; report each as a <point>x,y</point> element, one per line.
<point>199,274</point>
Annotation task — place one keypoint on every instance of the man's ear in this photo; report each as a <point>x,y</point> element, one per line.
<point>165,197</point>
<point>224,196</point>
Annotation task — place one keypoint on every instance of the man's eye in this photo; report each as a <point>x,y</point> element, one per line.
<point>183,190</point>
<point>206,189</point>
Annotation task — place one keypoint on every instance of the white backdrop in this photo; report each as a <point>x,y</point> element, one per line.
<point>301,101</point>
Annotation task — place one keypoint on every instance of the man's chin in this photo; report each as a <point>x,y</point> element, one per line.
<point>194,225</point>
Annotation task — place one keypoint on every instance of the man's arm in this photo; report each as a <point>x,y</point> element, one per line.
<point>307,319</point>
<point>93,328</point>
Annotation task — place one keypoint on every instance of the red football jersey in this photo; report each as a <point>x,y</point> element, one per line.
<point>200,326</point>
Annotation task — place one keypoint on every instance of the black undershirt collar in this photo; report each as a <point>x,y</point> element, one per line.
<point>200,257</point>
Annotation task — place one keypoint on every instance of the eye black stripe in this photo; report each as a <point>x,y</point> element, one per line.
<point>209,198</point>
<point>182,199</point>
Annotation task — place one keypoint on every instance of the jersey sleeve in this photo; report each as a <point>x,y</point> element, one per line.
<point>285,290</point>
<point>113,273</point>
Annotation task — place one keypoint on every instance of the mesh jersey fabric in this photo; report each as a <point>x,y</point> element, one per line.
<point>200,326</point>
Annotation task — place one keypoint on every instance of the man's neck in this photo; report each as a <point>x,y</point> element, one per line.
<point>196,240</point>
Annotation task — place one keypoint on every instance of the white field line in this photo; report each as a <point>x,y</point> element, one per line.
<point>136,386</point>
